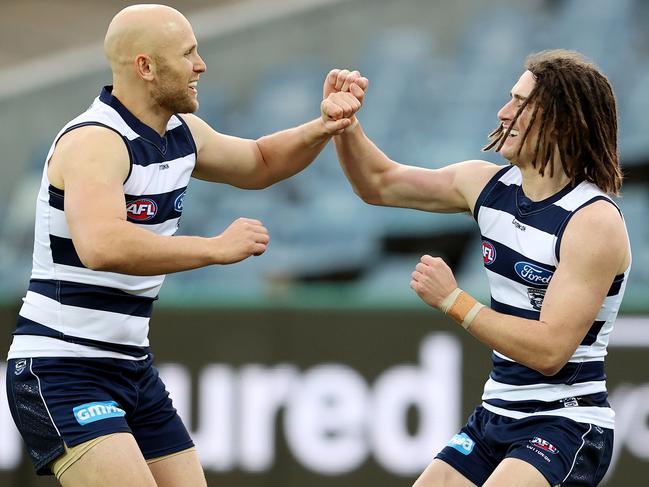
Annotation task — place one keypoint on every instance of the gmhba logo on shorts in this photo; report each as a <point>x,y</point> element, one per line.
<point>462,443</point>
<point>96,411</point>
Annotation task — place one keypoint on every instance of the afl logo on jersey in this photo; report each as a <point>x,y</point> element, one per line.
<point>142,209</point>
<point>533,273</point>
<point>178,203</point>
<point>488,253</point>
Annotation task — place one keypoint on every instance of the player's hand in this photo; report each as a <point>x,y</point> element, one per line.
<point>338,111</point>
<point>343,95</point>
<point>345,80</point>
<point>433,280</point>
<point>243,238</point>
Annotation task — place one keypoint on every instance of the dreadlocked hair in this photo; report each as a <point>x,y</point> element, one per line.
<point>578,120</point>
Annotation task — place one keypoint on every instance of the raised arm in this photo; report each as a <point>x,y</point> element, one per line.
<point>90,164</point>
<point>256,164</point>
<point>594,250</point>
<point>378,180</point>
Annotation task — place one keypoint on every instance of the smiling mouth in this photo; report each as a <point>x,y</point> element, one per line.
<point>513,133</point>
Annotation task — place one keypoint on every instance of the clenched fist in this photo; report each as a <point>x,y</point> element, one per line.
<point>343,80</point>
<point>243,238</point>
<point>343,95</point>
<point>433,280</point>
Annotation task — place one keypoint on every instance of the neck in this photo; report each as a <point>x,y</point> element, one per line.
<point>140,104</point>
<point>537,187</point>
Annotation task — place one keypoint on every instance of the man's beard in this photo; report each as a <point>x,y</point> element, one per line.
<point>169,97</point>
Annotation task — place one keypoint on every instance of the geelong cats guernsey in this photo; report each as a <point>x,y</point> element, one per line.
<point>520,245</point>
<point>70,310</point>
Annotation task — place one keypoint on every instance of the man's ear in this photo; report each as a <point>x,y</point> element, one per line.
<point>145,67</point>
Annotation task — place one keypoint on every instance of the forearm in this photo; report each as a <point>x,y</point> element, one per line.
<point>288,152</point>
<point>532,343</point>
<point>363,163</point>
<point>124,248</point>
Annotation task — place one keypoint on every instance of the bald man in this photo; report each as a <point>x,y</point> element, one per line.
<point>81,385</point>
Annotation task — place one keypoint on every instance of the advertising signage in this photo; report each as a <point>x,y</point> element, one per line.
<point>340,398</point>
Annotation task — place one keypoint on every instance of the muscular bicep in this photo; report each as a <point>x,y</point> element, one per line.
<point>451,189</point>
<point>223,158</point>
<point>594,249</point>
<point>91,163</point>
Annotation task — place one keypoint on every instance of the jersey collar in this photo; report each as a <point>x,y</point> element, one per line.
<point>143,130</point>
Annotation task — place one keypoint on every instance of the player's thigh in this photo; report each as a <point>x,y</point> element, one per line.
<point>182,469</point>
<point>441,474</point>
<point>512,472</point>
<point>115,461</point>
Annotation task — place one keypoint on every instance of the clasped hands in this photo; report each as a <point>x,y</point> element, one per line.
<point>342,96</point>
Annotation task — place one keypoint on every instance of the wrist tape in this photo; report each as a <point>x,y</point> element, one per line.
<point>462,307</point>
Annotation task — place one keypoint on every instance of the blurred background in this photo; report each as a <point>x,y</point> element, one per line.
<point>316,363</point>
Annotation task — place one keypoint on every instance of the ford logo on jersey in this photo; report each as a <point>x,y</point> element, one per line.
<point>533,273</point>
<point>142,209</point>
<point>95,411</point>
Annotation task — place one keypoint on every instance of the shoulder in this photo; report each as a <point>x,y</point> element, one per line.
<point>89,135</point>
<point>198,127</point>
<point>91,140</point>
<point>190,119</point>
<point>472,177</point>
<point>599,216</point>
<point>88,148</point>
<point>597,230</point>
<point>476,172</point>
<point>480,164</point>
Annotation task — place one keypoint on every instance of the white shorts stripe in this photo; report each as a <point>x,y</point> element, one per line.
<point>603,417</point>
<point>583,442</point>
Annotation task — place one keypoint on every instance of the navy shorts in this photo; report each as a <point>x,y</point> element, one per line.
<point>564,451</point>
<point>73,400</point>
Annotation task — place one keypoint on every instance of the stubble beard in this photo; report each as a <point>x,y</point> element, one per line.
<point>173,97</point>
<point>174,100</point>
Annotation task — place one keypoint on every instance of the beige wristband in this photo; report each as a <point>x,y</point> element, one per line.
<point>462,307</point>
<point>450,299</point>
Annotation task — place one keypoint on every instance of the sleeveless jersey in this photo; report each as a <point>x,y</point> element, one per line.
<point>520,245</point>
<point>70,310</point>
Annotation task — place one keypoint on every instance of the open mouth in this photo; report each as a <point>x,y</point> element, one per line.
<point>512,133</point>
<point>193,87</point>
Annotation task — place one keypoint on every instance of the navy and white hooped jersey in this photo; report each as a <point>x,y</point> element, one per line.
<point>520,246</point>
<point>70,310</point>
